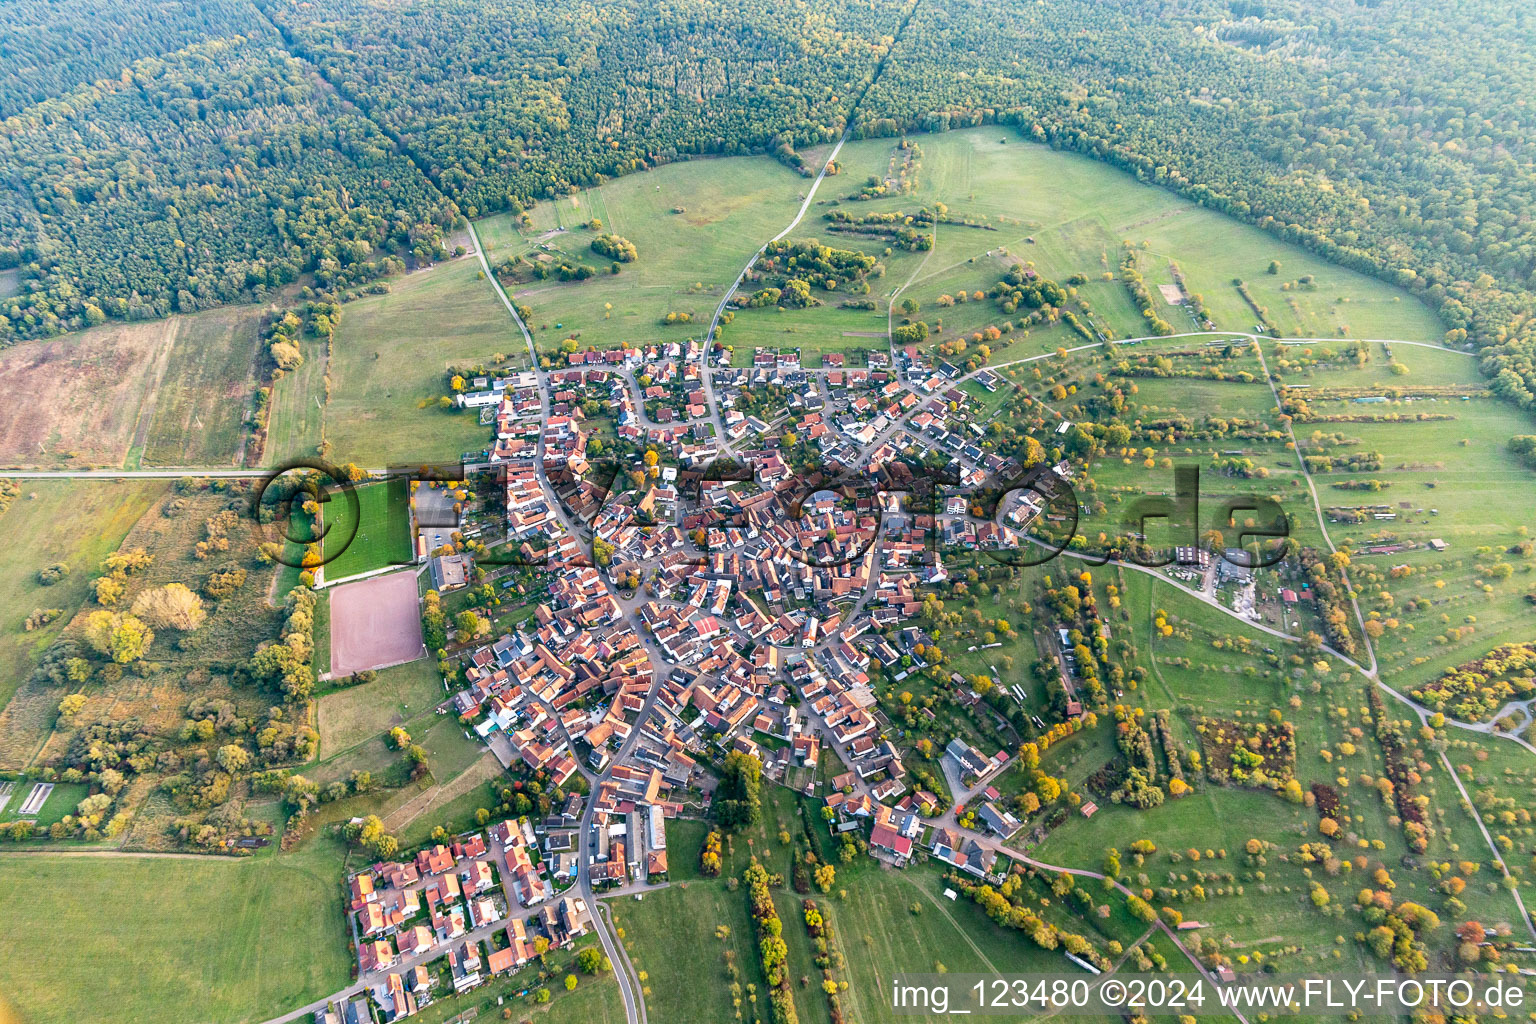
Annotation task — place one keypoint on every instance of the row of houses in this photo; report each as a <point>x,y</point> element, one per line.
<point>443,904</point>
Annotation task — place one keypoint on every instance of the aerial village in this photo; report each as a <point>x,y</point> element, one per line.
<point>727,605</point>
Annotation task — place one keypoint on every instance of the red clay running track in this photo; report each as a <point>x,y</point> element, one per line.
<point>374,623</point>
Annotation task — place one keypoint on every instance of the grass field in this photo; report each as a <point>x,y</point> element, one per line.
<point>1066,215</point>
<point>453,809</point>
<point>686,260</point>
<point>296,418</point>
<point>76,522</point>
<point>1079,211</point>
<point>780,814</point>
<point>391,352</point>
<point>167,941</point>
<point>881,937</point>
<point>373,545</point>
<point>1193,671</point>
<point>399,694</point>
<point>322,656</point>
<point>595,1001</point>
<point>354,722</point>
<point>692,989</point>
<point>874,927</point>
<point>814,332</point>
<point>200,408</point>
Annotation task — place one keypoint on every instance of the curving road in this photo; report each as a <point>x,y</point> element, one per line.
<point>623,971</point>
<point>714,321</point>
<point>634,1004</point>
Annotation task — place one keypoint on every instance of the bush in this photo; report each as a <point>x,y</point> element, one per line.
<point>615,247</point>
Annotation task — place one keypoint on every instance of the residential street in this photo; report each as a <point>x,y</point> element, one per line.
<point>660,665</point>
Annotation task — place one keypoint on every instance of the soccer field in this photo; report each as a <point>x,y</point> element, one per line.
<point>381,540</point>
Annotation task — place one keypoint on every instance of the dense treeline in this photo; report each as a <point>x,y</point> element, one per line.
<point>771,944</point>
<point>211,175</point>
<point>509,101</point>
<point>1353,129</point>
<point>152,172</point>
<point>52,46</point>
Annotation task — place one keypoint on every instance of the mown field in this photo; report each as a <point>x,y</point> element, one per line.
<point>407,703</point>
<point>62,800</point>
<point>882,937</point>
<point>200,408</point>
<point>379,538</point>
<point>815,332</point>
<point>354,722</point>
<point>151,941</point>
<point>352,715</point>
<point>693,225</point>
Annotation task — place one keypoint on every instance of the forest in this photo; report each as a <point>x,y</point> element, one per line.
<point>214,152</point>
<point>53,46</point>
<point>210,175</point>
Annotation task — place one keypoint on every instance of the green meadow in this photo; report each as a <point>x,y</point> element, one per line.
<point>378,538</point>
<point>1078,212</point>
<point>154,941</point>
<point>694,225</point>
<point>376,401</point>
<point>870,910</point>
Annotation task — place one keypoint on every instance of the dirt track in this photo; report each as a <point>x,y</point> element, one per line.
<point>374,623</point>
<point>481,771</point>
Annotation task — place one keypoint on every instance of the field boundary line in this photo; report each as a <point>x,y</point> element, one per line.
<point>321,583</point>
<point>145,420</point>
<point>452,789</point>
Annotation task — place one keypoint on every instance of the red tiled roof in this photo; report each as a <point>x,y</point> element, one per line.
<point>887,837</point>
